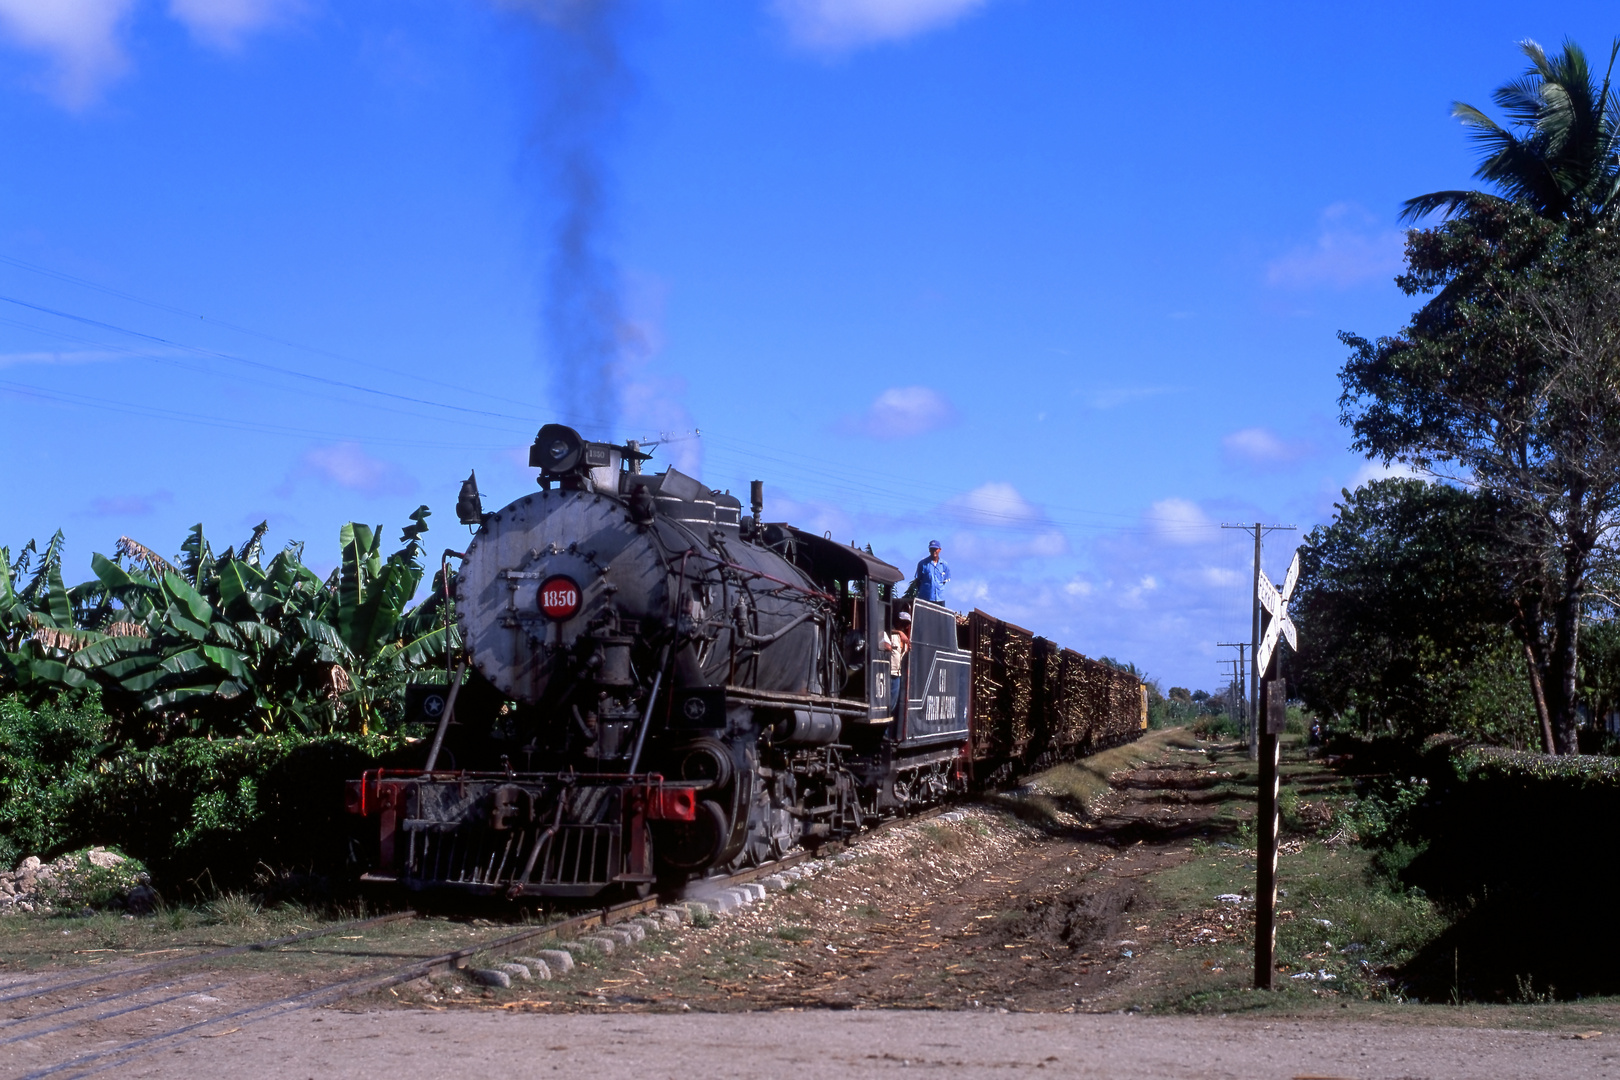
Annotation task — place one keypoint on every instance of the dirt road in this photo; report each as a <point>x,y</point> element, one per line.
<point>407,1045</point>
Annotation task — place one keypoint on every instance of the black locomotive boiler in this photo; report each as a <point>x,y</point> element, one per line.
<point>664,687</point>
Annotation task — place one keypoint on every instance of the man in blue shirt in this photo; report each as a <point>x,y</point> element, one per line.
<point>932,575</point>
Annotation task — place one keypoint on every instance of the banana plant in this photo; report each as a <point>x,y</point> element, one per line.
<point>38,632</point>
<point>367,604</point>
<point>223,643</point>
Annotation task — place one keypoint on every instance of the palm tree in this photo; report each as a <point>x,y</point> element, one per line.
<point>1560,156</point>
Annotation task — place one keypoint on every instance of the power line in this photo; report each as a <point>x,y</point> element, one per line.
<point>260,364</point>
<point>815,470</point>
<point>68,397</point>
<point>315,350</point>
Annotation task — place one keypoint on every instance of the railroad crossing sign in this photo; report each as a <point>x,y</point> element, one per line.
<point>1276,604</point>
<point>1274,706</point>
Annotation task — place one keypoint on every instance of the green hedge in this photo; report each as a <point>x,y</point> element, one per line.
<point>238,813</point>
<point>1516,847</point>
<point>204,815</point>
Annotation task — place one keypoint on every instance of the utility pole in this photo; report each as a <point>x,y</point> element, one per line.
<point>1254,647</point>
<point>1234,707</point>
<point>1244,722</point>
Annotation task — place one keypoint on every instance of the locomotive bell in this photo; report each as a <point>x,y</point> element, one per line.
<point>470,504</point>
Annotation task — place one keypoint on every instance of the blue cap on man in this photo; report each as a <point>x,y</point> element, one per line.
<point>933,545</point>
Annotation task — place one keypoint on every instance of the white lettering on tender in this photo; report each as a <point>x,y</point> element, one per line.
<point>939,707</point>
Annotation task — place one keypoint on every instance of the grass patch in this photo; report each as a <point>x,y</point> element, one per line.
<point>1345,926</point>
<point>1341,928</point>
<point>1065,793</point>
<point>1084,780</point>
<point>235,909</point>
<point>795,933</point>
<point>945,839</point>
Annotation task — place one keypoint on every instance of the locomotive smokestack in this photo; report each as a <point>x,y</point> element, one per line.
<point>756,499</point>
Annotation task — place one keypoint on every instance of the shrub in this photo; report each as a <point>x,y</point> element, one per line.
<point>212,816</point>
<point>1215,726</point>
<point>48,758</point>
<point>89,878</point>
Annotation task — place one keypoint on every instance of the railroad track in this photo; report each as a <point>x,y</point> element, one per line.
<point>135,999</point>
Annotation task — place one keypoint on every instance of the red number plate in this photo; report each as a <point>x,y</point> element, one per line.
<point>559,597</point>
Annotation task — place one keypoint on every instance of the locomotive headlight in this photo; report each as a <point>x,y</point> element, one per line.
<point>556,450</point>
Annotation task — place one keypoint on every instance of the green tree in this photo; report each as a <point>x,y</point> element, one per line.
<point>1508,377</point>
<point>1402,608</point>
<point>1558,154</point>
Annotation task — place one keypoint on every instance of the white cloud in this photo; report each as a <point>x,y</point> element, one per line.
<point>347,465</point>
<point>71,356</point>
<point>1350,249</point>
<point>841,25</point>
<point>1260,447</point>
<point>1181,522</point>
<point>1000,550</point>
<point>1014,529</point>
<point>995,503</point>
<point>653,405</point>
<point>901,412</point>
<point>224,23</point>
<point>810,515</point>
<point>81,39</point>
<point>1377,470</point>
<point>129,505</point>
<point>1112,397</point>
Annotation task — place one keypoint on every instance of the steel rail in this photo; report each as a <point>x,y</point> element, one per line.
<point>143,969</point>
<point>323,995</point>
<point>109,1015</point>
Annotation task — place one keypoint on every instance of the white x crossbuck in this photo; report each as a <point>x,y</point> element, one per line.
<point>1276,605</point>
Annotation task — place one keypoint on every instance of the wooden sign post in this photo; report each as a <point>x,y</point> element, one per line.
<point>1272,720</point>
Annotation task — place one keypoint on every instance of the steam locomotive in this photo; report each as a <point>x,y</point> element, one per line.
<point>664,687</point>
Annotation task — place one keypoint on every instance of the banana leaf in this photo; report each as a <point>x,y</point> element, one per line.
<point>239,581</point>
<point>198,561</point>
<point>107,651</point>
<point>189,660</point>
<point>173,617</point>
<point>182,590</point>
<point>229,659</point>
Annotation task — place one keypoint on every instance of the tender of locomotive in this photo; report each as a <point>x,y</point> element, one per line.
<point>665,687</point>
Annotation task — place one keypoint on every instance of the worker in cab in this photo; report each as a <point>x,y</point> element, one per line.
<point>895,645</point>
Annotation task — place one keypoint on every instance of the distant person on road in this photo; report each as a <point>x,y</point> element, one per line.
<point>932,575</point>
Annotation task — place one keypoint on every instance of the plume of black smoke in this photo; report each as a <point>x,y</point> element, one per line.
<point>583,87</point>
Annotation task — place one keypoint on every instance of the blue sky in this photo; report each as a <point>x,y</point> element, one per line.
<point>1056,283</point>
